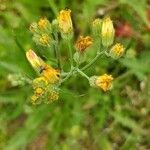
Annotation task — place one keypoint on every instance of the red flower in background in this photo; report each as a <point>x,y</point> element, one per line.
<point>148,17</point>
<point>124,30</point>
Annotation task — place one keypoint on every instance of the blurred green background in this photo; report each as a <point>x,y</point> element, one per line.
<point>83,118</point>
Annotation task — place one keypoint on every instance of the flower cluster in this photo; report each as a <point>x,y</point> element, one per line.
<point>46,85</point>
<point>44,91</point>
<point>42,32</point>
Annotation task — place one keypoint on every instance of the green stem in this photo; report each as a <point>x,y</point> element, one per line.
<point>70,52</point>
<point>53,7</point>
<point>69,74</point>
<point>93,61</point>
<point>82,73</point>
<point>57,51</point>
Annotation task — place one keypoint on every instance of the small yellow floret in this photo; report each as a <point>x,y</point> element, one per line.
<point>117,49</point>
<point>104,82</point>
<point>42,23</point>
<point>44,39</point>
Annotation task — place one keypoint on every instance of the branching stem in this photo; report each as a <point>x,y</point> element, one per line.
<point>93,61</point>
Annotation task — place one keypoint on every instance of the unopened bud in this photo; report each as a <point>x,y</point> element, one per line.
<point>107,32</point>
<point>65,22</point>
<point>96,27</point>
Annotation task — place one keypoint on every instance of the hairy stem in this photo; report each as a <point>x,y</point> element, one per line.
<point>69,74</point>
<point>70,52</point>
<point>93,61</point>
<point>83,74</point>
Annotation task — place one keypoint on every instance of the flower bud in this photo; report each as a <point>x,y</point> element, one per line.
<point>35,100</point>
<point>33,59</point>
<point>65,23</point>
<point>83,43</point>
<point>33,27</point>
<point>107,32</point>
<point>44,25</point>
<point>96,27</point>
<point>39,86</point>
<point>17,79</point>
<point>104,82</point>
<point>92,81</point>
<point>116,51</point>
<point>44,40</point>
<point>39,82</point>
<point>52,94</point>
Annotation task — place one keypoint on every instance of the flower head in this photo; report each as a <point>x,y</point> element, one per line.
<point>39,91</point>
<point>107,32</point>
<point>34,99</point>
<point>44,40</point>
<point>51,74</point>
<point>65,22</point>
<point>43,23</point>
<point>104,82</point>
<point>117,51</point>
<point>83,43</point>
<point>53,96</point>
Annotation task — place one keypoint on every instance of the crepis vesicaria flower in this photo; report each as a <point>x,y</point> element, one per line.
<point>83,43</point>
<point>43,23</point>
<point>108,32</point>
<point>65,22</point>
<point>103,82</point>
<point>117,51</point>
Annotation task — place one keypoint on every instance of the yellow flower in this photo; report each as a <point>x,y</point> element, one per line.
<point>34,98</point>
<point>117,51</point>
<point>44,39</point>
<point>64,21</point>
<point>107,32</point>
<point>104,82</point>
<point>47,73</point>
<point>43,23</point>
<point>39,91</point>
<point>53,96</point>
<point>51,74</point>
<point>83,43</point>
